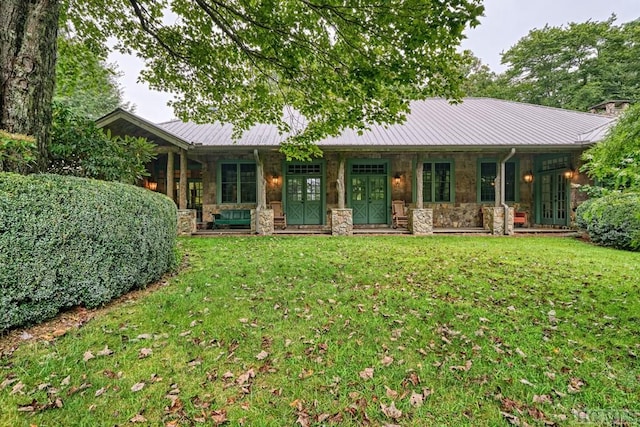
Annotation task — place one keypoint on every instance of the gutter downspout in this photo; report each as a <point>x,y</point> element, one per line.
<point>503,202</point>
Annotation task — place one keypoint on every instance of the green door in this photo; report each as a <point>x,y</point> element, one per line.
<point>369,199</point>
<point>552,190</point>
<point>553,205</point>
<point>304,195</point>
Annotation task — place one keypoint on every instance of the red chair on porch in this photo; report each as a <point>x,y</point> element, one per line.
<point>399,211</point>
<point>519,218</point>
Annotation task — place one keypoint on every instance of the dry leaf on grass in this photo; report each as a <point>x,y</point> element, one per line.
<point>366,374</point>
<point>391,411</point>
<point>137,387</point>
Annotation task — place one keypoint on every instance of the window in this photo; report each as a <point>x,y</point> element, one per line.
<point>237,183</point>
<point>487,172</point>
<point>437,182</point>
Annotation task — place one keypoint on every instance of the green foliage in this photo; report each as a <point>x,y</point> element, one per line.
<point>615,162</point>
<point>247,63</point>
<point>574,66</point>
<point>612,220</point>
<point>84,82</point>
<point>17,152</point>
<point>67,241</point>
<point>79,148</point>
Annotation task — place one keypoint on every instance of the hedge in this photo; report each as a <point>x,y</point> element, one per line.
<point>67,241</point>
<point>612,220</point>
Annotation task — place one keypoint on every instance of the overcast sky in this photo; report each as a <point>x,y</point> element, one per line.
<point>504,23</point>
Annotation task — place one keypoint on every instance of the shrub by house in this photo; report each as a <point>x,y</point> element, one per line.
<point>67,241</point>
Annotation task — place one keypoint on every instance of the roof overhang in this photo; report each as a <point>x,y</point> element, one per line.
<point>122,121</point>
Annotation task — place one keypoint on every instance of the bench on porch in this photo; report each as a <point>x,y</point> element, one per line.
<point>232,217</point>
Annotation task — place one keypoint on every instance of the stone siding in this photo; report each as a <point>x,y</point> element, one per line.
<point>421,222</point>
<point>263,220</point>
<point>186,222</point>
<point>341,222</point>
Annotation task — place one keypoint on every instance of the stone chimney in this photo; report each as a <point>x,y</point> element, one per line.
<point>611,108</point>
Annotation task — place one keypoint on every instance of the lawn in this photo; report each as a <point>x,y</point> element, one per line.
<point>310,331</point>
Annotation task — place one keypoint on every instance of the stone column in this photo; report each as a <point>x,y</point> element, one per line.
<point>421,222</point>
<point>341,222</point>
<point>186,222</point>
<point>183,179</point>
<point>262,222</point>
<point>170,174</point>
<point>495,223</point>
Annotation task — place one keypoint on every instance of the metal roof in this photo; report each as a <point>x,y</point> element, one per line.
<point>433,122</point>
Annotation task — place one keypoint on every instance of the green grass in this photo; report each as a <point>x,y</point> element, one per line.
<point>458,331</point>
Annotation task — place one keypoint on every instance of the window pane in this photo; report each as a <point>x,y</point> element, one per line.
<point>510,182</point>
<point>248,186</point>
<point>442,182</point>
<point>487,181</point>
<point>229,182</point>
<point>427,182</point>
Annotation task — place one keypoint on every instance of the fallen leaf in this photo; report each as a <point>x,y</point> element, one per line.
<point>391,394</point>
<point>106,351</point>
<point>144,336</point>
<point>416,399</point>
<point>138,419</point>
<point>137,387</point>
<point>575,385</point>
<point>7,382</point>
<point>66,380</point>
<point>366,374</point>
<point>25,336</point>
<point>520,352</point>
<point>465,368</point>
<point>544,398</point>
<point>391,411</point>
<point>17,388</point>
<point>144,352</point>
<point>88,356</point>
<point>100,391</point>
<point>242,379</point>
<point>219,416</point>
<point>262,355</point>
<point>386,361</point>
<point>525,382</point>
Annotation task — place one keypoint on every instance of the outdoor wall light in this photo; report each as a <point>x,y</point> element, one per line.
<point>275,180</point>
<point>396,178</point>
<point>151,185</point>
<point>569,173</point>
<point>528,177</point>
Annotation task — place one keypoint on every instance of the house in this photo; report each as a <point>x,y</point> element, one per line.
<point>472,164</point>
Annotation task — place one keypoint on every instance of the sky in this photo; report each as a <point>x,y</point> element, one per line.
<point>505,22</point>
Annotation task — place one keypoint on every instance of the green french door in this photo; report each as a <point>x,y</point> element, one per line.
<point>552,195</point>
<point>304,194</point>
<point>368,193</point>
<point>553,199</point>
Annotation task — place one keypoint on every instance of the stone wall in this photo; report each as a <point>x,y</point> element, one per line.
<point>262,221</point>
<point>341,222</point>
<point>421,222</point>
<point>186,222</point>
<point>494,221</point>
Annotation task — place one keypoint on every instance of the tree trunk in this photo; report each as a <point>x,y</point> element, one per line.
<point>28,33</point>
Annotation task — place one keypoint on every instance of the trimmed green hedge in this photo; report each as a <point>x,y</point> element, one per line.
<point>612,220</point>
<point>67,241</point>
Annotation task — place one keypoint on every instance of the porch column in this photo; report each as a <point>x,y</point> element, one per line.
<point>261,183</point>
<point>340,184</point>
<point>170,175</point>
<point>183,179</point>
<point>419,183</point>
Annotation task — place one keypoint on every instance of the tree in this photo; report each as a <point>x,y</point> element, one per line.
<point>340,64</point>
<point>615,162</point>
<point>575,66</point>
<point>84,81</point>
<point>27,69</point>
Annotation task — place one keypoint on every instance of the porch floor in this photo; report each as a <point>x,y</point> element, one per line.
<point>381,230</point>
